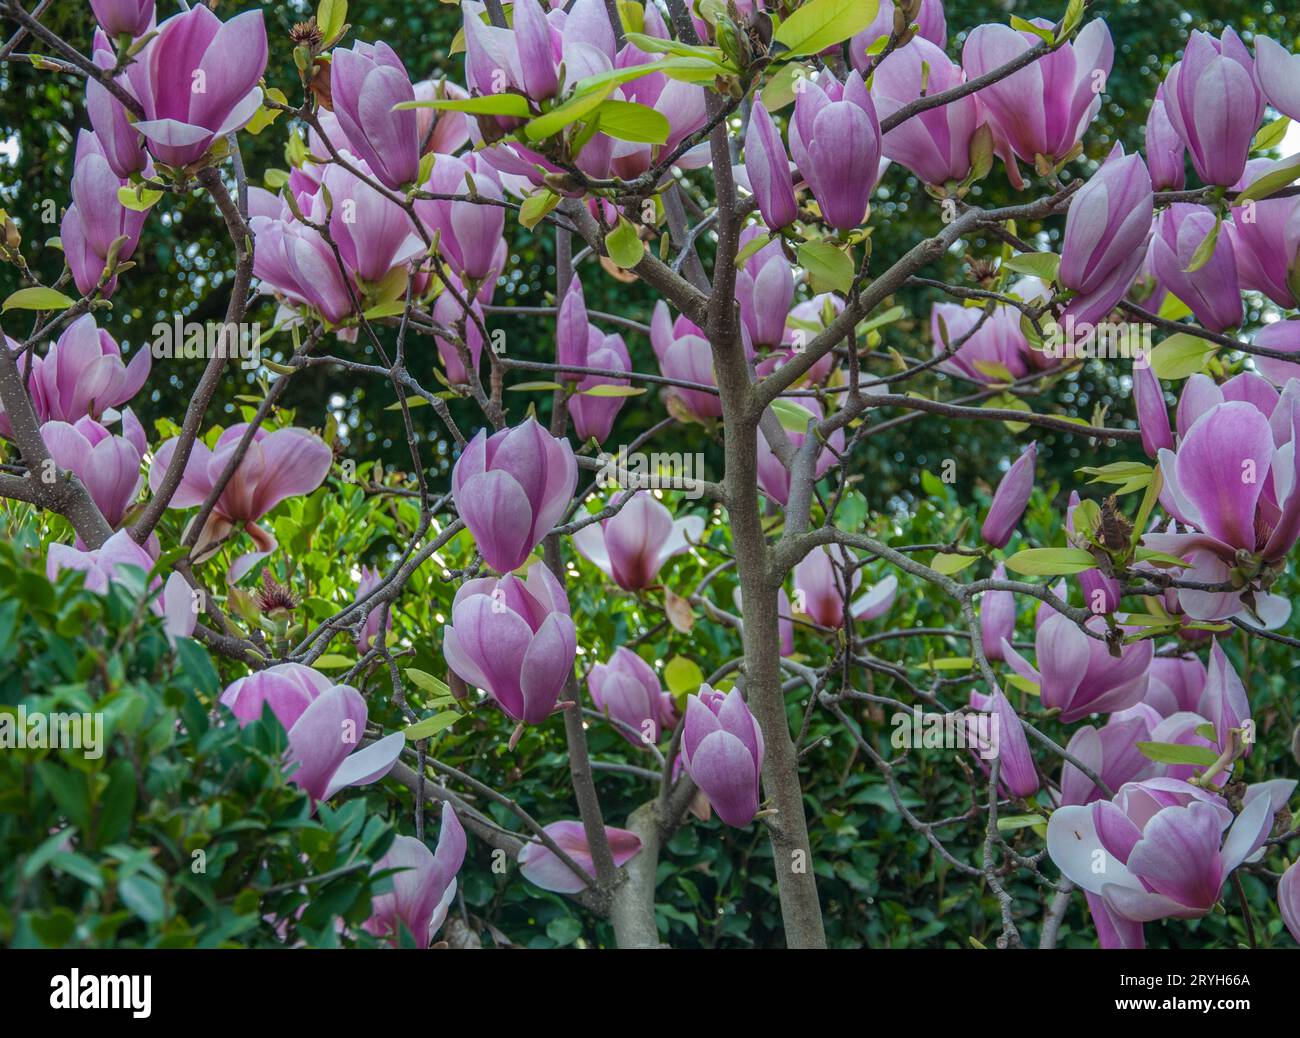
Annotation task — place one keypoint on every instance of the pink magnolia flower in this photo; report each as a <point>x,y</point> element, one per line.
<point>1165,849</point>
<point>631,547</point>
<point>1111,752</point>
<point>1177,683</point>
<point>820,588</point>
<point>997,616</point>
<point>722,751</point>
<point>1265,239</point>
<point>471,233</point>
<point>1234,478</point>
<point>424,887</point>
<point>124,17</point>
<point>442,133</point>
<point>373,632</point>
<point>277,465</point>
<point>197,81</point>
<point>121,143</point>
<point>288,688</point>
<point>293,260</point>
<point>935,145</point>
<point>1010,499</point>
<point>768,167</point>
<point>684,353</point>
<point>1166,153</point>
<point>83,375</point>
<point>930,22</point>
<point>104,565</point>
<point>593,416</point>
<point>1077,674</point>
<point>108,465</point>
<point>1106,235</point>
<point>515,640</point>
<point>325,724</point>
<point>1045,107</point>
<point>366,82</point>
<point>373,233</point>
<point>627,690</point>
<point>449,313</point>
<point>764,290</point>
<point>991,350</point>
<point>1214,102</point>
<point>96,220</point>
<point>835,141</point>
<point>511,488</point>
<point>1017,775</point>
<point>805,322</point>
<point>773,477</point>
<point>543,867</point>
<point>1288,899</point>
<point>1212,291</point>
<point>1279,77</point>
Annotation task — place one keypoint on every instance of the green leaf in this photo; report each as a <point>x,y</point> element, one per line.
<point>139,198</point>
<point>682,675</point>
<point>143,896</point>
<point>570,111</point>
<point>752,246</point>
<point>411,401</point>
<point>536,206</point>
<point>512,105</point>
<point>948,663</point>
<point>1050,562</point>
<point>564,930</point>
<point>428,683</point>
<point>333,661</point>
<point>1181,356</point>
<point>1271,135</point>
<point>1205,251</point>
<point>624,245</point>
<point>1270,182</point>
<point>1044,34</point>
<point>36,299</point>
<point>629,121</point>
<point>949,564</point>
<point>331,16</point>
<point>828,265</point>
<point>431,726</point>
<point>793,417</point>
<point>824,23</point>
<point>1042,265</point>
<point>611,391</point>
<point>528,387</point>
<point>1009,823</point>
<point>1173,309</point>
<point>1176,753</point>
<point>1130,476</point>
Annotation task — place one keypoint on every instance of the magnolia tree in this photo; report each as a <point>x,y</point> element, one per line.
<point>727,156</point>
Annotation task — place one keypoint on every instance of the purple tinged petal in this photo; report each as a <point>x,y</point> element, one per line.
<point>1010,499</point>
<point>1152,412</point>
<point>768,166</point>
<point>1288,900</point>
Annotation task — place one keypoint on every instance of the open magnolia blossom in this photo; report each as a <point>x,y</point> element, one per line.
<point>1160,848</point>
<point>635,422</point>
